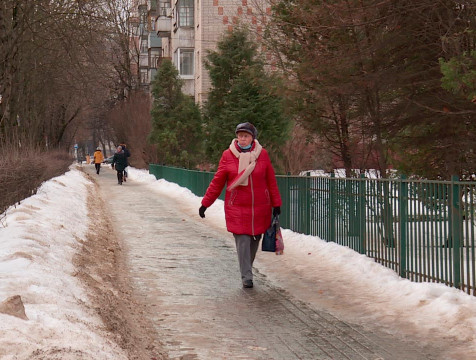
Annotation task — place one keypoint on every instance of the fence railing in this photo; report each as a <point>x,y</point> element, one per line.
<point>194,180</point>
<point>424,230</point>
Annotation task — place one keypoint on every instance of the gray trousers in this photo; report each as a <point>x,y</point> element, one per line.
<point>246,247</point>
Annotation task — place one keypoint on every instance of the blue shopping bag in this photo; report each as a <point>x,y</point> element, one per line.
<point>269,238</point>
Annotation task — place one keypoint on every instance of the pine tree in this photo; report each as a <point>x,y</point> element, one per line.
<point>176,120</point>
<point>242,92</point>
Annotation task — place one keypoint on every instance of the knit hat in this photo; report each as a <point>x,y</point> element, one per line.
<point>98,148</point>
<point>247,127</point>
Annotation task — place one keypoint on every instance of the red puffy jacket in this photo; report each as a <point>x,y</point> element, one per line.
<point>247,208</point>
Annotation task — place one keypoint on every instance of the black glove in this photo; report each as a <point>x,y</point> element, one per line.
<point>201,211</point>
<point>276,211</point>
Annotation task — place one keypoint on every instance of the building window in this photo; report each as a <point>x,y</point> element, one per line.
<point>143,47</point>
<point>185,13</point>
<point>144,78</point>
<point>184,60</point>
<point>164,8</point>
<point>155,61</point>
<point>143,16</point>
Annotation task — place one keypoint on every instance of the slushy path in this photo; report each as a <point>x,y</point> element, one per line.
<point>187,274</point>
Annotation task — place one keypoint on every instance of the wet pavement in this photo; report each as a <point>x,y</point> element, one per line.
<point>187,273</point>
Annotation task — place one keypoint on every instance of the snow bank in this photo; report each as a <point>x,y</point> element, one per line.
<point>38,240</point>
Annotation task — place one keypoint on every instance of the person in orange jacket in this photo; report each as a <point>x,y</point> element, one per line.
<point>98,159</point>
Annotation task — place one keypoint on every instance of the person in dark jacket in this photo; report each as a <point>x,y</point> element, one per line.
<point>119,162</point>
<point>252,195</point>
<point>128,154</point>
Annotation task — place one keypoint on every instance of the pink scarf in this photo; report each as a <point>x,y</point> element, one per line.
<point>247,163</point>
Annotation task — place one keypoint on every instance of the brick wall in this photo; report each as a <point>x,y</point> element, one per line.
<point>212,19</point>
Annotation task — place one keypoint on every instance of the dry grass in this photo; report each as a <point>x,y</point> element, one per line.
<point>22,172</point>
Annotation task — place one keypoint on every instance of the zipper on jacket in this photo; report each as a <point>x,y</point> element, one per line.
<point>233,196</point>
<point>252,206</point>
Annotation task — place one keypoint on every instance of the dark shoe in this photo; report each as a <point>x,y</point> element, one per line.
<point>248,283</point>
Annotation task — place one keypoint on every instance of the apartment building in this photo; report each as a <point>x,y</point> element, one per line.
<point>185,30</point>
<point>145,46</point>
<point>213,19</point>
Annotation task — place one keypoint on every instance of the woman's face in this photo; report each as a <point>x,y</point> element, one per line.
<point>244,138</point>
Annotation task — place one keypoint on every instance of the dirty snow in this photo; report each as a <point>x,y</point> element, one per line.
<point>38,240</point>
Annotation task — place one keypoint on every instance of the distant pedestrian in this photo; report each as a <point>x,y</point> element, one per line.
<point>119,162</point>
<point>98,158</point>
<point>128,154</point>
<point>252,195</point>
<point>88,159</point>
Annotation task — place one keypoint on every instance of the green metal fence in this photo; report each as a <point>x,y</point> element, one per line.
<point>424,230</point>
<point>194,180</point>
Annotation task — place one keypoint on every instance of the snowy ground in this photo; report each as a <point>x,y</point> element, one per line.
<point>39,238</point>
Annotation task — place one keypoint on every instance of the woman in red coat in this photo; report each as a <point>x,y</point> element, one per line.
<point>252,194</point>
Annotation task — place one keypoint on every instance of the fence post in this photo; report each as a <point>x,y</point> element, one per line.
<point>287,200</point>
<point>332,208</point>
<point>403,217</point>
<point>308,204</point>
<point>387,216</point>
<point>455,230</point>
<point>362,217</point>
<point>201,179</point>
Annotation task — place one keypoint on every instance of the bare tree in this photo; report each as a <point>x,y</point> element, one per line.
<point>367,73</point>
<point>131,122</point>
<point>60,63</point>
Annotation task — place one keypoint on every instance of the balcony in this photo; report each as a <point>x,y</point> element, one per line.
<point>161,59</point>
<point>142,32</point>
<point>134,21</point>
<point>164,26</point>
<point>143,61</point>
<point>151,5</point>
<point>152,73</point>
<point>154,41</point>
<point>164,8</point>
